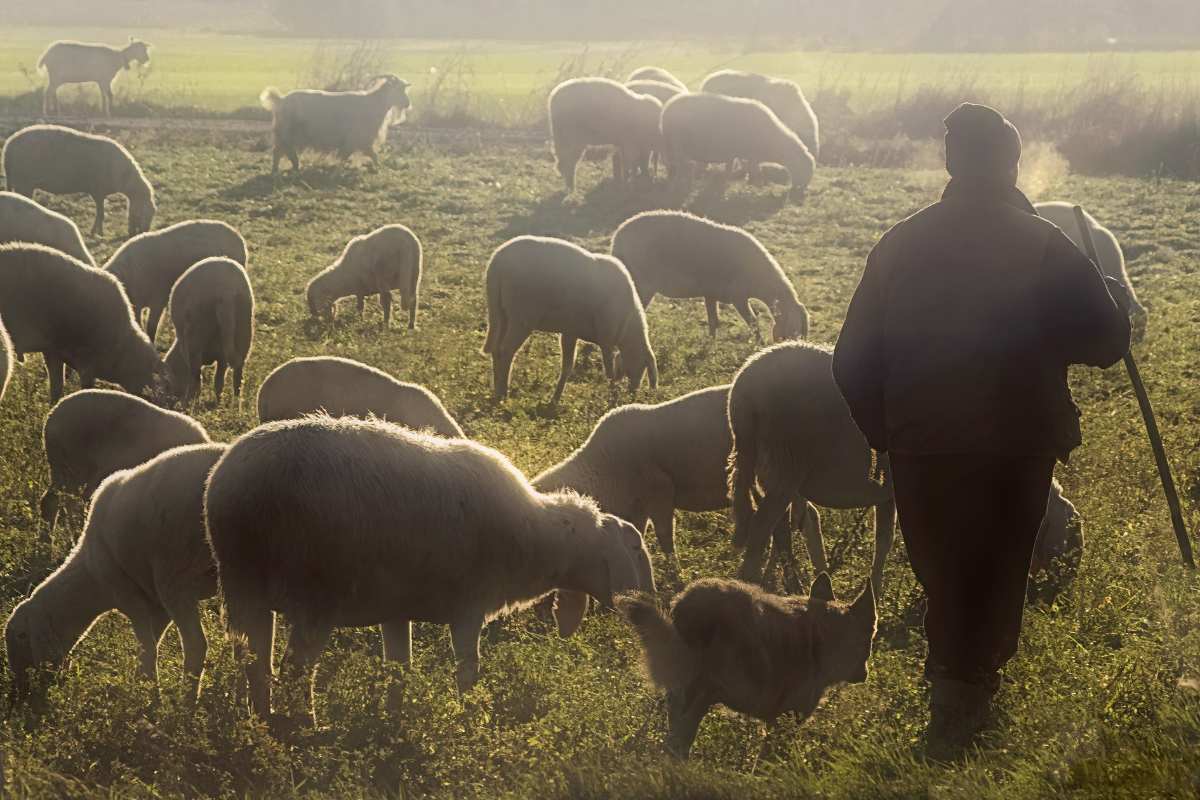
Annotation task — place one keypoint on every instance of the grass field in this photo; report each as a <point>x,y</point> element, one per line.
<point>507,81</point>
<point>1104,698</point>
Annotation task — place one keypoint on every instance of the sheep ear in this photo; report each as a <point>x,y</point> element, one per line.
<point>863,608</point>
<point>569,611</point>
<point>822,588</point>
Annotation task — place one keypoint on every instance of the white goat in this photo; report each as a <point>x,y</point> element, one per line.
<point>84,62</point>
<point>350,522</point>
<point>339,122</point>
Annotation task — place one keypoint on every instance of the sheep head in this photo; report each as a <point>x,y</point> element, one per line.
<point>32,654</point>
<point>395,89</point>
<point>623,566</point>
<point>791,320</point>
<point>141,213</point>
<point>138,51</point>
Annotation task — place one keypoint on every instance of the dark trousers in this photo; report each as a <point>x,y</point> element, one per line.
<point>969,524</point>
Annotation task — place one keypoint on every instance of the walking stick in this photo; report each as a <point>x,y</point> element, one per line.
<point>1139,389</point>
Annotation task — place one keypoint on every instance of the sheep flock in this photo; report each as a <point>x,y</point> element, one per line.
<point>359,500</point>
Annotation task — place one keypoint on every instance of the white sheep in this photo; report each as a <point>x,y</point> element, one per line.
<point>712,128</point>
<point>1108,250</point>
<point>341,387</point>
<point>212,307</point>
<point>680,255</point>
<point>77,316</point>
<point>85,62</point>
<point>793,437</point>
<point>24,220</point>
<point>60,160</point>
<point>781,96</point>
<point>536,283</point>
<point>601,112</point>
<point>374,263</point>
<point>93,433</point>
<point>143,553</point>
<point>656,74</point>
<point>658,89</point>
<point>351,522</point>
<point>149,264</point>
<point>338,122</point>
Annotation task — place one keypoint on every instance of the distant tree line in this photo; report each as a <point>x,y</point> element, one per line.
<point>884,24</point>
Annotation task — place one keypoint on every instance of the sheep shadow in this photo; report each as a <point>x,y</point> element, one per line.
<point>601,209</point>
<point>316,178</point>
<point>717,203</point>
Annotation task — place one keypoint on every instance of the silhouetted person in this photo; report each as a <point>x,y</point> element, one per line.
<point>953,359</point>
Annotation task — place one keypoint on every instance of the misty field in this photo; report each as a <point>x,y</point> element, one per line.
<point>506,81</point>
<point>1104,698</point>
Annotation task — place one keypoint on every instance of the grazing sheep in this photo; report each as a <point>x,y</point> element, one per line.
<point>781,96</point>
<point>351,522</point>
<point>60,160</point>
<point>794,437</point>
<point>1108,250</point>
<point>659,89</point>
<point>74,315</point>
<point>23,220</point>
<point>1058,550</point>
<point>341,387</point>
<point>83,62</point>
<point>600,112</point>
<point>760,654</point>
<point>677,254</point>
<point>149,264</point>
<point>375,263</point>
<point>536,283</point>
<point>6,358</point>
<point>712,128</point>
<point>93,433</point>
<point>656,74</point>
<point>339,122</point>
<point>144,553</point>
<point>212,306</point>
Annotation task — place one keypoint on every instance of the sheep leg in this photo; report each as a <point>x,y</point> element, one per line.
<point>714,316</point>
<point>304,648</point>
<point>568,364</point>
<point>742,306</point>
<point>106,96</point>
<point>411,299</point>
<point>257,626</point>
<point>238,370</point>
<point>397,641</point>
<point>502,358</point>
<point>276,154</point>
<point>49,509</point>
<point>361,302</point>
<point>153,319</point>
<point>186,616</point>
<point>814,542</point>
<point>385,303</point>
<point>663,520</point>
<point>98,225</point>
<point>464,635</point>
<point>608,357</point>
<point>218,382</point>
<point>50,98</point>
<point>885,535</point>
<point>149,621</point>
<point>770,511</point>
<point>56,372</point>
<point>686,709</point>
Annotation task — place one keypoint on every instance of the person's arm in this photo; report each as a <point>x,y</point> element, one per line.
<point>859,366</point>
<point>1087,324</point>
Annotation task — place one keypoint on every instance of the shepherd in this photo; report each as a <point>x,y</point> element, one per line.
<point>953,360</point>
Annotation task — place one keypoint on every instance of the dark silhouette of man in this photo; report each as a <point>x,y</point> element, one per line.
<point>953,360</point>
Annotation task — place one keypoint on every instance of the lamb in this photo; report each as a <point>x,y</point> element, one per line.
<point>23,220</point>
<point>351,522</point>
<point>601,112</point>
<point>143,552</point>
<point>712,128</point>
<point>60,160</point>
<point>149,264</point>
<point>212,306</point>
<point>341,387</point>
<point>83,62</point>
<point>760,654</point>
<point>656,74</point>
<point>340,122</point>
<point>781,96</point>
<point>93,433</point>
<point>386,258</point>
<point>1108,250</point>
<point>794,437</point>
<point>536,283</point>
<point>677,254</point>
<point>77,316</point>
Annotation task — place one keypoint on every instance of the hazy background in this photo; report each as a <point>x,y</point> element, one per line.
<point>926,25</point>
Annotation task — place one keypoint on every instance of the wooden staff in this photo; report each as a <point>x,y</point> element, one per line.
<point>1139,389</point>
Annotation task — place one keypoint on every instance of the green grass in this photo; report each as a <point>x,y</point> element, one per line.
<point>1095,708</point>
<point>507,81</point>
